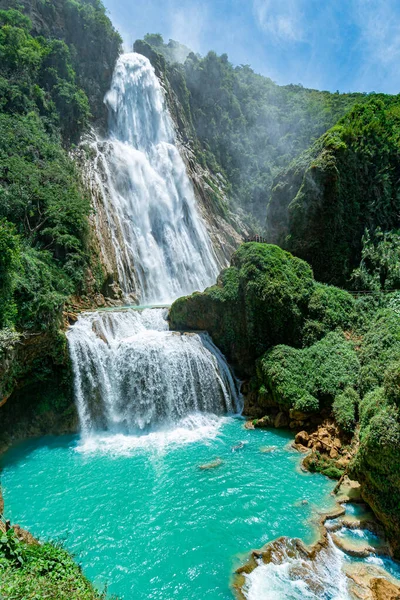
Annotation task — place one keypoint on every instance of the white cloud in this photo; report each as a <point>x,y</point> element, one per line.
<point>188,23</point>
<point>281,18</point>
<point>380,28</point>
<point>379,44</point>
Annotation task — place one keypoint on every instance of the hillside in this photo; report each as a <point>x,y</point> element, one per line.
<point>345,184</point>
<point>246,126</point>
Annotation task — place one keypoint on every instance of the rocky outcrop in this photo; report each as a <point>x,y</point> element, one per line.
<point>308,563</point>
<point>36,388</point>
<point>322,203</point>
<point>93,41</point>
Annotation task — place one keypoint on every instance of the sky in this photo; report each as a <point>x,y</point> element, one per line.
<point>345,45</point>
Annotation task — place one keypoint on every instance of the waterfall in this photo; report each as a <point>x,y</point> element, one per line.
<point>147,221</point>
<point>132,375</point>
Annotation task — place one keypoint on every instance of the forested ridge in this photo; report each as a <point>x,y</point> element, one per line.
<point>248,126</point>
<point>56,62</point>
<point>47,100</point>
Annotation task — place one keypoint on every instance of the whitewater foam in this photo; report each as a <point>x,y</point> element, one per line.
<point>159,241</point>
<point>132,375</point>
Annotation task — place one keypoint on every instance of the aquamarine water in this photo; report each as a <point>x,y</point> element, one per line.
<point>142,517</point>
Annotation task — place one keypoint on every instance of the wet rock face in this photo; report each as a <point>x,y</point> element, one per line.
<point>38,382</point>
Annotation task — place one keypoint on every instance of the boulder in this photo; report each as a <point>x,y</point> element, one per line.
<point>302,438</point>
<point>298,415</point>
<point>382,589</point>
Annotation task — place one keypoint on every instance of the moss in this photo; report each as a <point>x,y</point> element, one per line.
<point>43,571</point>
<point>266,297</point>
<point>347,182</point>
<point>318,463</point>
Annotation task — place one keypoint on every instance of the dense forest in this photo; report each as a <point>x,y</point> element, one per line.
<point>47,101</point>
<point>56,62</point>
<point>338,203</point>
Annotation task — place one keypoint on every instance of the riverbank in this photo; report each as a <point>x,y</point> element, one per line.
<point>295,560</point>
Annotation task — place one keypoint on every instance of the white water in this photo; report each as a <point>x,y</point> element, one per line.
<point>158,239</point>
<point>294,577</point>
<point>133,376</point>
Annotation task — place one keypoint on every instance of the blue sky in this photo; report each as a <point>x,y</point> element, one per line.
<point>345,45</point>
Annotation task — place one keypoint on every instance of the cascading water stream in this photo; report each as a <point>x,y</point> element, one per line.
<point>132,375</point>
<point>153,229</point>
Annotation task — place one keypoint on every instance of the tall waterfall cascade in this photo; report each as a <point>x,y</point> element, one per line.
<point>132,375</point>
<point>147,221</point>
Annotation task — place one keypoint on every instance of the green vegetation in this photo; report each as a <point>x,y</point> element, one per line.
<point>56,62</point>
<point>345,184</point>
<point>344,409</point>
<point>9,262</point>
<point>266,297</point>
<point>40,572</point>
<point>246,126</point>
<point>311,378</point>
<point>44,108</point>
<point>320,463</point>
<point>380,262</point>
<point>311,350</point>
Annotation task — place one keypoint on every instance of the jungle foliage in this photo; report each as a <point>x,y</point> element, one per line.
<point>314,349</point>
<point>44,109</point>
<point>266,297</point>
<point>339,202</point>
<point>40,572</point>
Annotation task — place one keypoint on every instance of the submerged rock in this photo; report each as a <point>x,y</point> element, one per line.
<point>211,465</point>
<point>268,449</point>
<point>238,446</point>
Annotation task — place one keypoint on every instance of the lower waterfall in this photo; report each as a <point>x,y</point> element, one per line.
<point>132,375</point>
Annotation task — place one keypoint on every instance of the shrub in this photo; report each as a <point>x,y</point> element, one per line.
<point>392,383</point>
<point>305,378</point>
<point>46,571</point>
<point>9,263</point>
<point>344,409</point>
<point>266,297</point>
<point>370,405</point>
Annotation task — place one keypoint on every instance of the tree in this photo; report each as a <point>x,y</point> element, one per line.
<point>9,263</point>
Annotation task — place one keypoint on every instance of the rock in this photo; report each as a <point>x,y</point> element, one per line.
<point>266,421</point>
<point>323,434</point>
<point>382,589</point>
<point>333,453</point>
<point>211,465</point>
<point>337,443</point>
<point>298,415</point>
<point>281,420</point>
<point>351,548</point>
<point>302,438</point>
<point>342,462</point>
<point>267,449</point>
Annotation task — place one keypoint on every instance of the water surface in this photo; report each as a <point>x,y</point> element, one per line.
<point>142,516</point>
